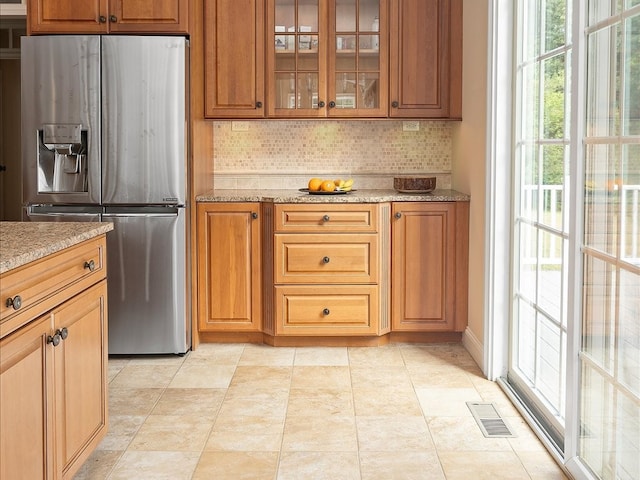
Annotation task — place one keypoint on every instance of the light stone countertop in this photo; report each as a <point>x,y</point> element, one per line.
<point>24,242</point>
<point>355,196</point>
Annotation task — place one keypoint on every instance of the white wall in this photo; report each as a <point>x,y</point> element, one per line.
<point>469,162</point>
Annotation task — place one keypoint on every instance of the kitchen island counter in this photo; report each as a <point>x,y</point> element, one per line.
<point>25,242</point>
<point>355,196</point>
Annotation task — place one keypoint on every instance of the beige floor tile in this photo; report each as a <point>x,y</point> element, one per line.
<point>246,433</point>
<point>393,434</point>
<point>319,466</point>
<point>133,401</point>
<point>203,375</point>
<point>121,430</point>
<point>400,466</point>
<point>388,355</point>
<point>526,440</point>
<point>219,353</point>
<point>463,434</point>
<point>445,354</point>
<point>179,433</point>
<point>265,355</point>
<point>327,356</point>
<point>237,466</point>
<point>253,379</point>
<point>321,376</point>
<point>379,402</point>
<point>204,402</point>
<point>320,434</point>
<point>482,466</point>
<point>447,376</point>
<point>381,377</point>
<point>155,465</point>
<point>541,466</point>
<point>256,404</point>
<point>491,392</point>
<point>157,360</point>
<point>98,465</point>
<point>320,401</point>
<point>144,376</point>
<point>446,402</point>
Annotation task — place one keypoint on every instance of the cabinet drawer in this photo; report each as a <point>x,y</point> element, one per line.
<point>332,258</point>
<point>327,310</point>
<point>38,282</point>
<point>352,218</point>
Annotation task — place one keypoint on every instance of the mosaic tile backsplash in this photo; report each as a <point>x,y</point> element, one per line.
<point>278,154</point>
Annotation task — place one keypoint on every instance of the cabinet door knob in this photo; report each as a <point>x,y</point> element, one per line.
<point>15,302</point>
<point>320,104</point>
<point>326,311</point>
<point>332,104</point>
<point>91,265</point>
<point>394,104</point>
<point>254,215</point>
<point>102,19</point>
<point>398,215</point>
<point>113,18</point>
<point>326,259</point>
<point>258,104</point>
<point>63,332</point>
<point>326,218</point>
<point>55,339</point>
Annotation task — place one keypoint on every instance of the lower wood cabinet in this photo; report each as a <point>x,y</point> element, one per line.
<point>53,369</point>
<point>429,266</point>
<point>229,264</point>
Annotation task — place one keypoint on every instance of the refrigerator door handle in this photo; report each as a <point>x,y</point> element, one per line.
<point>154,215</point>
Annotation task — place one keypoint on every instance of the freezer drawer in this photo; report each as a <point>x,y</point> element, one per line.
<point>148,308</point>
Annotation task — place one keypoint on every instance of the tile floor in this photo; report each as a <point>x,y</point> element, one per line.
<point>242,411</point>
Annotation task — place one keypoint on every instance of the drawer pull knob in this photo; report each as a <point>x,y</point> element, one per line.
<point>326,311</point>
<point>113,18</point>
<point>326,218</point>
<point>254,215</point>
<point>103,19</point>
<point>91,265</point>
<point>55,339</point>
<point>326,259</point>
<point>15,302</point>
<point>63,332</point>
<point>398,215</point>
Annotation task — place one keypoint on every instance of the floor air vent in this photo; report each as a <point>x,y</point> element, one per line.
<point>489,420</point>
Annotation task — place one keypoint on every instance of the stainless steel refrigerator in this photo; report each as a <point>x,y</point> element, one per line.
<point>104,138</point>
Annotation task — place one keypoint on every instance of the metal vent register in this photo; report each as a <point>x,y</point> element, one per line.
<point>489,420</point>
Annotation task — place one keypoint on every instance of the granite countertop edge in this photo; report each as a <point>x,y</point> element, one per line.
<point>25,242</point>
<point>357,196</point>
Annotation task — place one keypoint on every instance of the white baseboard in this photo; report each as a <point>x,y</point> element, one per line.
<point>474,347</point>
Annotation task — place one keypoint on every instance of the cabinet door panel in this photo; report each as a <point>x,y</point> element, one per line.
<point>26,407</point>
<point>80,370</point>
<point>228,267</point>
<point>423,268</point>
<point>149,16</point>
<point>67,16</point>
<point>234,58</point>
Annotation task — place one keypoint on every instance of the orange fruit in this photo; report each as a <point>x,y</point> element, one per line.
<point>314,184</point>
<point>328,186</point>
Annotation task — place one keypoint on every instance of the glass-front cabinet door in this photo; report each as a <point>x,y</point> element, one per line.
<point>326,58</point>
<point>297,61</point>
<point>358,57</point>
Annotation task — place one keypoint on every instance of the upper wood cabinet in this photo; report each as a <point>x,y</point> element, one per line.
<point>234,58</point>
<point>327,58</point>
<point>426,59</point>
<point>108,16</point>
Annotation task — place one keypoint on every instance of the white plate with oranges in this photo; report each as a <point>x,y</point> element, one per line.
<point>319,186</point>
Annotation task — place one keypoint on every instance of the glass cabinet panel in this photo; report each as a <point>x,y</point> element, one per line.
<point>356,65</point>
<point>297,62</point>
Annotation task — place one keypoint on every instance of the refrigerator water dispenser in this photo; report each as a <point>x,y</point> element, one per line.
<point>62,165</point>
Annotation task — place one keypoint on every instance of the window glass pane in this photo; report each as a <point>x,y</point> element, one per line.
<point>631,112</point>
<point>368,90</point>
<point>554,99</point>
<point>555,14</point>
<point>550,286</point>
<point>599,312</point>
<point>629,186</point>
<point>627,440</point>
<point>601,198</point>
<point>308,16</point>
<point>530,101</point>
<point>529,196</point>
<point>550,365</point>
<point>528,261</point>
<point>603,83</point>
<point>307,90</point>
<point>369,16</point>
<point>346,90</point>
<point>526,334</point>
<point>552,185</point>
<point>530,37</point>
<point>345,15</point>
<point>602,9</point>
<point>285,90</point>
<point>628,341</point>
